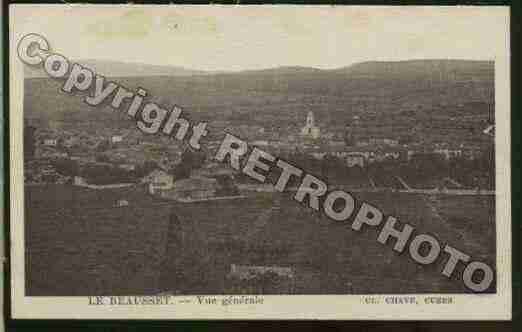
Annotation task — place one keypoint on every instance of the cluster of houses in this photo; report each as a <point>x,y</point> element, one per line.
<point>202,184</point>
<point>366,149</point>
<point>126,149</point>
<point>376,150</point>
<point>41,172</point>
<point>160,182</point>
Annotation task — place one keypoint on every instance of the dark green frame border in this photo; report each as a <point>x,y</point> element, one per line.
<point>148,325</point>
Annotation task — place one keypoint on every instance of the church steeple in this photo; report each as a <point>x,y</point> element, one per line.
<point>310,119</point>
<point>310,130</point>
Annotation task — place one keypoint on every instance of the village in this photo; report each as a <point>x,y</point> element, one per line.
<point>352,156</point>
<point>97,179</point>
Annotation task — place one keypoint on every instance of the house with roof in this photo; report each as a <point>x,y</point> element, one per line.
<point>159,179</point>
<point>355,159</point>
<point>193,188</point>
<point>449,153</point>
<point>116,139</point>
<point>50,141</point>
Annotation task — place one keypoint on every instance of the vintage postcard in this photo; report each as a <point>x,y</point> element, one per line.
<point>259,162</point>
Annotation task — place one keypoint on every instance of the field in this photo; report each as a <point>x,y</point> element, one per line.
<point>78,243</point>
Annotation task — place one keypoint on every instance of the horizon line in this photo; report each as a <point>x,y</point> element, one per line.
<point>236,71</point>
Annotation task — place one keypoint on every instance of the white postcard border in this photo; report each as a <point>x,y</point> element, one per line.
<point>334,307</point>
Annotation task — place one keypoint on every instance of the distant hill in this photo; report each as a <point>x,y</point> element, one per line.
<point>284,70</point>
<point>376,69</point>
<point>124,69</point>
<point>282,96</point>
<point>451,69</point>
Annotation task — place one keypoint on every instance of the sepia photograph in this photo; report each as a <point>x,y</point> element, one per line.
<point>260,162</point>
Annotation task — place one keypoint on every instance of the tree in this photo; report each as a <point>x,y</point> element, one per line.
<point>190,160</point>
<point>227,186</point>
<point>102,158</point>
<point>66,167</point>
<point>103,146</point>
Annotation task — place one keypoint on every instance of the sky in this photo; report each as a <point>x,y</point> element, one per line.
<point>231,38</point>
